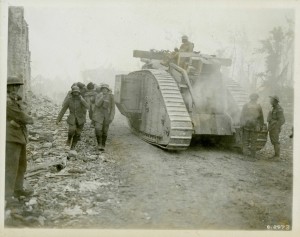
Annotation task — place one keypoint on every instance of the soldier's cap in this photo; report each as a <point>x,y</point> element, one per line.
<point>13,80</point>
<point>254,96</point>
<point>104,86</point>
<point>184,37</point>
<point>275,97</point>
<point>75,89</point>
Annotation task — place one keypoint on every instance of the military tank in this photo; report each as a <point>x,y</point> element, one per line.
<point>179,96</point>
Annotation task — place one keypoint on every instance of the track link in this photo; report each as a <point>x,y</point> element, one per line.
<point>181,128</point>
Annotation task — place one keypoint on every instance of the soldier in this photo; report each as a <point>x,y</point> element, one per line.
<point>103,114</point>
<point>82,89</point>
<point>275,121</point>
<point>90,98</point>
<point>77,117</point>
<point>16,140</point>
<point>252,121</point>
<point>186,45</point>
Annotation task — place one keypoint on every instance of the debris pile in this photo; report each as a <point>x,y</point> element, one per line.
<point>67,185</point>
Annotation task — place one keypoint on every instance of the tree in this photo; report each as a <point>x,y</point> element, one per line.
<point>278,50</point>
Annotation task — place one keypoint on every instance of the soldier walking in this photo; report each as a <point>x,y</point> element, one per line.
<point>90,98</point>
<point>252,121</point>
<point>103,114</point>
<point>77,116</point>
<point>275,121</point>
<point>16,140</point>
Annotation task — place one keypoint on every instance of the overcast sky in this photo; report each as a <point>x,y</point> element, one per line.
<point>67,39</point>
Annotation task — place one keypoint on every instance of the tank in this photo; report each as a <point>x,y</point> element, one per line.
<point>179,96</point>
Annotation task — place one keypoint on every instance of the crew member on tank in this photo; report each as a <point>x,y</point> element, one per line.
<point>252,121</point>
<point>103,114</point>
<point>186,45</point>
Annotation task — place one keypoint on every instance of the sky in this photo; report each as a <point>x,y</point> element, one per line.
<point>66,39</point>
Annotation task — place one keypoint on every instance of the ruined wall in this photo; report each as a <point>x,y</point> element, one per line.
<point>18,57</point>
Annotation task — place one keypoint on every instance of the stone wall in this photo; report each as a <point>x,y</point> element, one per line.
<point>18,58</point>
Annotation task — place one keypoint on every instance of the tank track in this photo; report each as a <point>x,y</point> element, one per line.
<point>239,94</point>
<point>181,128</point>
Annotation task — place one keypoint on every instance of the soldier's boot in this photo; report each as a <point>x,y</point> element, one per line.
<point>277,151</point>
<point>103,141</point>
<point>99,142</point>
<point>68,142</point>
<point>74,142</point>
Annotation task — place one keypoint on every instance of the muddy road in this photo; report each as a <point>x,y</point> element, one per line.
<point>137,185</point>
<point>200,188</point>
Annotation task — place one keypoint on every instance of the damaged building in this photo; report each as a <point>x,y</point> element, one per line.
<point>18,55</point>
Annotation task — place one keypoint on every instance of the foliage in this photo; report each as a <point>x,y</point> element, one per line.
<point>277,50</point>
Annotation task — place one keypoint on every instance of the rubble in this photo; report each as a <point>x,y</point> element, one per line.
<point>56,173</point>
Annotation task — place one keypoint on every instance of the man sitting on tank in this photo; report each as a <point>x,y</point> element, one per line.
<point>186,45</point>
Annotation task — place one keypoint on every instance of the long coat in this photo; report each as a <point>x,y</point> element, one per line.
<point>276,117</point>
<point>104,107</point>
<point>77,108</point>
<point>16,120</point>
<point>252,116</point>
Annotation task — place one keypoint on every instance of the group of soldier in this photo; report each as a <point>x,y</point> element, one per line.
<point>99,102</point>
<point>252,122</point>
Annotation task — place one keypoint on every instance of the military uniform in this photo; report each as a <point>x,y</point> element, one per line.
<point>275,121</point>
<point>90,99</point>
<point>252,121</point>
<point>103,115</point>
<point>76,119</point>
<point>16,140</point>
<point>186,47</point>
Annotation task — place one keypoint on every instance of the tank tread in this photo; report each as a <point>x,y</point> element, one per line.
<point>181,128</point>
<point>238,93</point>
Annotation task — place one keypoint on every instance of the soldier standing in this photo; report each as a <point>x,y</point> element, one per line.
<point>275,121</point>
<point>103,114</point>
<point>252,121</point>
<point>16,140</point>
<point>77,117</point>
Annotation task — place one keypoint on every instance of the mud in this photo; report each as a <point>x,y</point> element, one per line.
<point>137,185</point>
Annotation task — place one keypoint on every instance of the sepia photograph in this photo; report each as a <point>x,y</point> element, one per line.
<point>149,115</point>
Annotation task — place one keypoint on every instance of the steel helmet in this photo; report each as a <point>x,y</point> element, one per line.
<point>13,80</point>
<point>104,86</point>
<point>275,97</point>
<point>75,89</point>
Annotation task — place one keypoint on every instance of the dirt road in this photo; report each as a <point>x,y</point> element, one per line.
<point>137,185</point>
<point>201,188</point>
